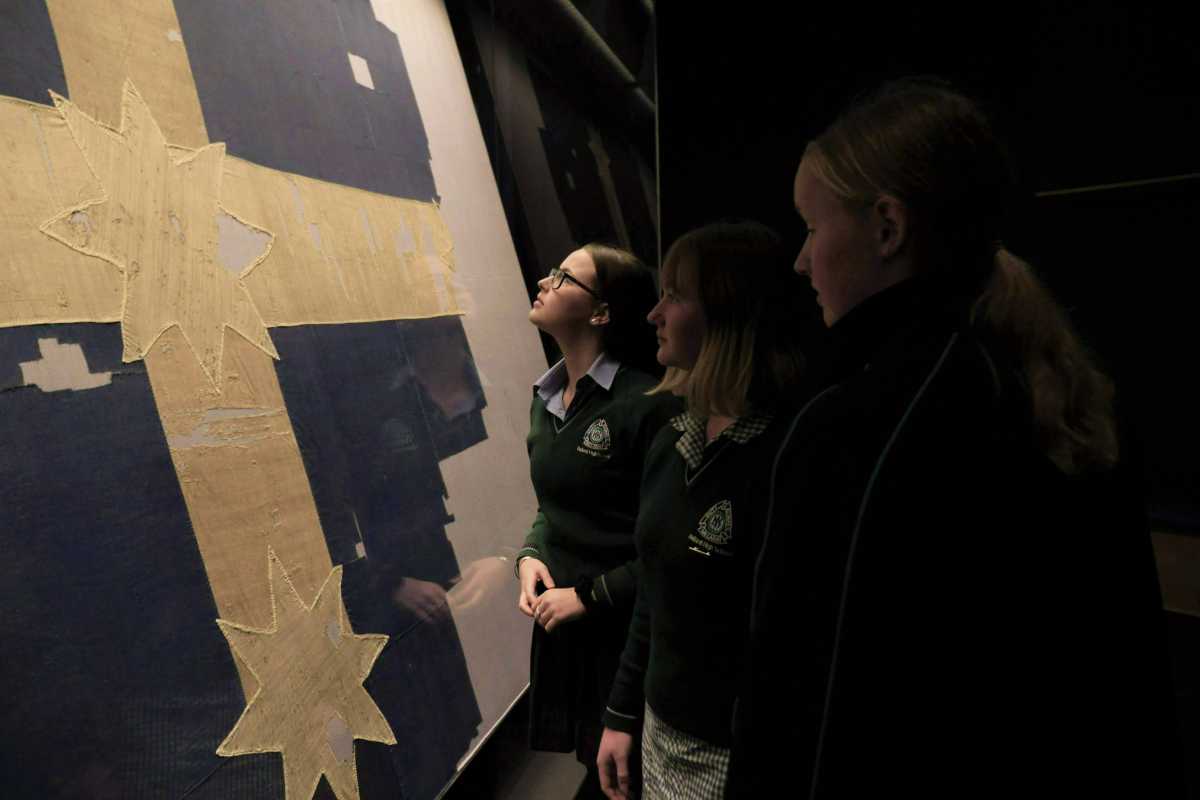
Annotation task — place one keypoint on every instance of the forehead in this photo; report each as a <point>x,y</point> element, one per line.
<point>579,263</point>
<point>679,270</point>
<point>810,193</point>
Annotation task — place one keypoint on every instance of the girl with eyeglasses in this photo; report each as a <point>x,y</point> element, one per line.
<point>591,423</point>
<point>726,327</point>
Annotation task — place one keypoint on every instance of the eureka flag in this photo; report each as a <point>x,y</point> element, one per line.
<point>118,682</point>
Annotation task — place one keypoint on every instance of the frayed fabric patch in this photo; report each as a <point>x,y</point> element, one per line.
<point>311,703</point>
<point>103,42</point>
<point>157,222</point>
<point>42,171</point>
<point>342,254</point>
<point>240,472</point>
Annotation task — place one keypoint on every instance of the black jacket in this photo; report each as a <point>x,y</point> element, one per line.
<point>938,611</point>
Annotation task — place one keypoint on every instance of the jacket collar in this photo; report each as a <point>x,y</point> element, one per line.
<point>692,443</point>
<point>855,339</point>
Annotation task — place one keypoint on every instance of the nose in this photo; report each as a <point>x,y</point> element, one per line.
<point>543,282</point>
<point>801,265</point>
<point>655,315</point>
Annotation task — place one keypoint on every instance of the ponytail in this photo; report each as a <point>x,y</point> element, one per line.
<point>935,150</point>
<point>1072,400</point>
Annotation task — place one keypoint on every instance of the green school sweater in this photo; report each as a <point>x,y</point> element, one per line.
<point>697,536</point>
<point>586,472</point>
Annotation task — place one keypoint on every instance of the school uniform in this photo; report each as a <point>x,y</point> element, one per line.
<point>586,462</point>
<point>702,513</point>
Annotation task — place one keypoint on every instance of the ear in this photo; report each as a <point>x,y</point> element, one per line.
<point>892,225</point>
<point>600,314</point>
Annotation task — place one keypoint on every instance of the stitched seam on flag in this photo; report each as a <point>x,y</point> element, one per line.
<point>239,312</point>
<point>307,759</point>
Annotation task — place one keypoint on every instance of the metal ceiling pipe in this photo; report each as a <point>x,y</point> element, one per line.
<point>559,39</point>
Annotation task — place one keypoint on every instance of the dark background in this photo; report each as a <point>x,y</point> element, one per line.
<point>1098,105</point>
<point>1097,102</point>
<point>1086,98</point>
<point>564,93</point>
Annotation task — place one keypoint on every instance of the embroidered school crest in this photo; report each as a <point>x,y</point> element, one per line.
<point>716,526</point>
<point>596,437</point>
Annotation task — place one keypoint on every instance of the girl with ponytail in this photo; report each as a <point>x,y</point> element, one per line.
<point>955,596</point>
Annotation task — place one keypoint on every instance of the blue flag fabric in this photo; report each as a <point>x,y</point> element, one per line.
<point>117,681</point>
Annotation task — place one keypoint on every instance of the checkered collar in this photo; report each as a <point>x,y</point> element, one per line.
<point>691,444</point>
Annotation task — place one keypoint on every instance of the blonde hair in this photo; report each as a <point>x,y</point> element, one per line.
<point>749,359</point>
<point>934,150</point>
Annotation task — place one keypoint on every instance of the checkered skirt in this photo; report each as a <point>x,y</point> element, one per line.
<point>679,766</point>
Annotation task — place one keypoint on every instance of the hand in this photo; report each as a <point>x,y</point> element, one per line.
<point>613,763</point>
<point>425,599</point>
<point>556,606</point>
<point>531,571</point>
<point>480,581</point>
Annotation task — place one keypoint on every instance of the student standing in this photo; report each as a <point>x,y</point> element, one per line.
<point>725,330</point>
<point>591,422</point>
<point>956,595</point>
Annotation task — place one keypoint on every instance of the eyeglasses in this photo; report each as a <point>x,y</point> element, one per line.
<point>557,276</point>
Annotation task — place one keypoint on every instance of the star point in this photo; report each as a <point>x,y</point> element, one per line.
<point>311,703</point>
<point>158,224</point>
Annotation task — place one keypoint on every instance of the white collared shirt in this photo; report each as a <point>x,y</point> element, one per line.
<point>553,383</point>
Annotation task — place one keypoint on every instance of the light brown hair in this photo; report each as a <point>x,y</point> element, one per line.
<point>750,358</point>
<point>934,150</point>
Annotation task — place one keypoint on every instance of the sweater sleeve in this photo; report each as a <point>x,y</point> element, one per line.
<point>617,588</point>
<point>657,411</point>
<point>534,546</point>
<point>535,539</point>
<point>627,697</point>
